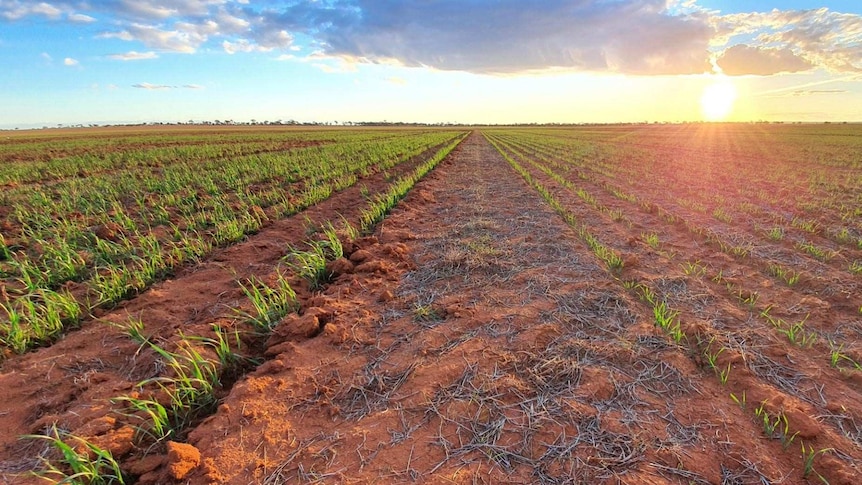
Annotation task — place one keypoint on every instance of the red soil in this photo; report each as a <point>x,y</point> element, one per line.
<point>472,338</point>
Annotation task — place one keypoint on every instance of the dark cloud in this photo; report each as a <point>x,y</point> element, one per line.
<point>627,36</point>
<point>743,59</point>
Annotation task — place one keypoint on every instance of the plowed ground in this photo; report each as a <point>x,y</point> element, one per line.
<point>474,338</point>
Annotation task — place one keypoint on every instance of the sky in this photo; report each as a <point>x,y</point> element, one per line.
<point>433,61</point>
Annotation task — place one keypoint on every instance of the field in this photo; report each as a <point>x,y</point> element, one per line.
<point>631,304</point>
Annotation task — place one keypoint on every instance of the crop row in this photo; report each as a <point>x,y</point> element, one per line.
<point>630,208</point>
<point>71,246</point>
<point>683,295</point>
<point>163,407</point>
<point>770,230</point>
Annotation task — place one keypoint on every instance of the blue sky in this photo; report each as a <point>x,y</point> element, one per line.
<point>471,61</point>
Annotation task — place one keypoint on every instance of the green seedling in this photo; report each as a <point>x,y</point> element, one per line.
<point>724,374</point>
<point>426,313</point>
<point>837,356</point>
<point>817,252</point>
<point>663,315</point>
<point>722,215</point>
<point>770,425</point>
<point>651,239</point>
<point>808,456</point>
<point>776,233</point>
<point>787,275</point>
<point>12,331</point>
<point>223,344</point>
<point>739,400</point>
<point>805,225</point>
<point>332,243</point>
<point>310,265</point>
<point>797,335</point>
<point>81,462</point>
<point>694,268</point>
<point>158,420</point>
<point>270,304</point>
<point>5,252</point>
<point>134,329</point>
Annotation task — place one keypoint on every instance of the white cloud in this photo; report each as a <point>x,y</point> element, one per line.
<point>241,45</point>
<point>145,9</point>
<point>232,24</point>
<point>152,87</point>
<point>80,18</point>
<point>341,67</point>
<point>164,87</point>
<point>70,62</point>
<point>821,37</point>
<point>266,42</point>
<point>133,56</point>
<point>16,10</point>
<point>156,38</point>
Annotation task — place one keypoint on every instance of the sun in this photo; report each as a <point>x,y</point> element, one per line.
<point>716,102</point>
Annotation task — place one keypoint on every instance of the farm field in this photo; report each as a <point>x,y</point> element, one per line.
<point>630,304</point>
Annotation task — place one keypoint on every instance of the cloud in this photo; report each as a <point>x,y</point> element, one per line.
<point>743,59</point>
<point>134,56</point>
<point>642,37</point>
<point>180,41</point>
<point>628,36</point>
<point>398,81</point>
<point>80,18</point>
<point>808,92</point>
<point>71,62</point>
<point>145,9</point>
<point>812,92</point>
<point>16,10</point>
<point>820,37</point>
<point>241,45</point>
<point>263,42</point>
<point>12,10</point>
<point>153,87</point>
<point>341,66</point>
<point>165,87</point>
<point>231,24</point>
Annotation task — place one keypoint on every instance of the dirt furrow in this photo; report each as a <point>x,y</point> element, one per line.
<point>764,366</point>
<point>70,384</point>
<point>488,346</point>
